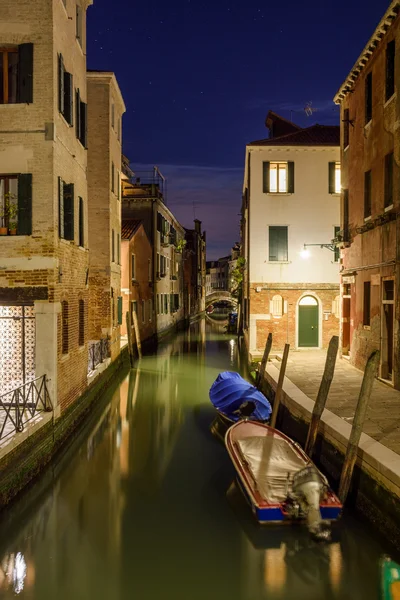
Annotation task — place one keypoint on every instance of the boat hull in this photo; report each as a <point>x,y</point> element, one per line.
<point>270,512</point>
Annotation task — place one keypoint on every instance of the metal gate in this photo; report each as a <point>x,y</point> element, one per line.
<point>17,349</point>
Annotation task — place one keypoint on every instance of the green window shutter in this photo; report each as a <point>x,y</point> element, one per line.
<point>278,243</point>
<point>68,98</point>
<point>69,211</point>
<point>61,71</point>
<point>25,73</point>
<point>332,169</point>
<point>81,223</point>
<point>266,177</point>
<point>83,125</point>
<point>119,310</point>
<point>24,226</point>
<point>290,177</point>
<point>337,249</point>
<point>78,114</point>
<point>60,207</point>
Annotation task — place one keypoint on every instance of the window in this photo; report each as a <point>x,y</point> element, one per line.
<point>158,265</point>
<point>388,200</point>
<point>119,310</point>
<point>64,327</point>
<point>81,119</point>
<point>278,177</point>
<point>112,177</point>
<point>166,304</point>
<point>388,290</point>
<point>143,311</point>
<point>150,310</point>
<point>346,127</point>
<point>119,185</point>
<point>162,304</point>
<point>119,129</point>
<point>112,245</point>
<point>81,223</point>
<point>334,178</point>
<point>133,268</point>
<point>276,307</point>
<point>367,194</point>
<point>81,333</point>
<point>346,231</point>
<point>368,98</point>
<point>336,252</point>
<point>16,74</point>
<point>278,243</point>
<point>16,202</point>
<point>79,24</point>
<point>367,303</point>
<point>113,116</point>
<point>158,304</point>
<point>65,92</point>
<point>149,268</point>
<point>118,250</point>
<point>66,210</point>
<point>133,308</point>
<point>390,62</point>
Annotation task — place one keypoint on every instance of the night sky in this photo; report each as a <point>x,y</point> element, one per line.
<point>198,78</point>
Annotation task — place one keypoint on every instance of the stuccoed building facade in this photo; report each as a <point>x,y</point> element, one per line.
<point>291,197</point>
<point>43,196</point>
<point>369,102</point>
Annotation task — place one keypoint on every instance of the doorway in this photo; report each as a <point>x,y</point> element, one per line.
<point>308,322</point>
<point>387,329</point>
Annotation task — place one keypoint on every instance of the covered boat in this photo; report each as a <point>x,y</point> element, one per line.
<point>236,398</point>
<point>390,574</point>
<point>279,480</point>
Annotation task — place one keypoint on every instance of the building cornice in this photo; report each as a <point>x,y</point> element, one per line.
<point>379,33</point>
<point>108,78</point>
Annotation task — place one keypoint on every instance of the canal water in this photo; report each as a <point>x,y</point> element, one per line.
<point>141,506</point>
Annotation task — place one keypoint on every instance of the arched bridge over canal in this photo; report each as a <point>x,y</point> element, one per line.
<point>220,296</point>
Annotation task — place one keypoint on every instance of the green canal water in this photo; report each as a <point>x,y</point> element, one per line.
<point>141,505</point>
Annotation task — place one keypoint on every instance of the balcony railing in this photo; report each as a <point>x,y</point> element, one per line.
<point>98,352</point>
<point>21,405</point>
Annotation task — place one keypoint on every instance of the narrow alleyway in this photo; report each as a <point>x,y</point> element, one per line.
<point>141,505</point>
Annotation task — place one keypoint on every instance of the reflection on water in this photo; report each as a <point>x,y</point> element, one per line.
<point>142,505</point>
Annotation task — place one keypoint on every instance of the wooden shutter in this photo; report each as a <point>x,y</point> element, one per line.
<point>61,71</point>
<point>81,223</point>
<point>390,69</point>
<point>266,177</point>
<point>119,310</point>
<point>60,207</point>
<point>368,97</point>
<point>290,177</point>
<point>68,98</point>
<point>83,125</point>
<point>25,73</point>
<point>69,211</point>
<point>336,251</point>
<point>24,226</point>
<point>388,199</point>
<point>346,232</point>
<point>81,333</point>
<point>78,114</point>
<point>332,169</point>
<point>278,244</point>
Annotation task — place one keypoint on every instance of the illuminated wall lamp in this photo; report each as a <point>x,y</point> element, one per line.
<point>306,253</point>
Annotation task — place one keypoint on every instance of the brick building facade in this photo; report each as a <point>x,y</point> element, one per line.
<point>194,266</point>
<point>43,162</point>
<point>290,214</point>
<point>105,110</point>
<point>370,156</point>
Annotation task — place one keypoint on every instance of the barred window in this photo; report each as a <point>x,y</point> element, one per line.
<point>65,326</point>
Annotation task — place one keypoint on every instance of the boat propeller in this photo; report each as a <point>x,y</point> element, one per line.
<point>308,488</point>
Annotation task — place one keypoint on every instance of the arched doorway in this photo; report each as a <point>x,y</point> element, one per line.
<point>308,322</point>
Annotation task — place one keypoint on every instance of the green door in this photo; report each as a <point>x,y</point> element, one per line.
<point>308,326</point>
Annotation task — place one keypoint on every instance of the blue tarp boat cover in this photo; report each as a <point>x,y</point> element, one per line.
<point>230,392</point>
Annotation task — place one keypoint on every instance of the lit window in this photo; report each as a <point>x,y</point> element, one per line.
<point>278,177</point>
<point>337,178</point>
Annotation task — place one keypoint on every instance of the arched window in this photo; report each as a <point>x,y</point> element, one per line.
<point>277,306</point>
<point>308,301</point>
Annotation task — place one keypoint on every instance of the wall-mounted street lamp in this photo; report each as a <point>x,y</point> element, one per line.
<point>306,253</point>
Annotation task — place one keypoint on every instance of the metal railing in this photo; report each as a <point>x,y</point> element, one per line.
<point>98,352</point>
<point>19,406</point>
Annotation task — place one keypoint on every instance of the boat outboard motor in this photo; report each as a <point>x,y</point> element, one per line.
<point>308,487</point>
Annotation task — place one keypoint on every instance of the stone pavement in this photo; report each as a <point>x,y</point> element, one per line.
<point>305,369</point>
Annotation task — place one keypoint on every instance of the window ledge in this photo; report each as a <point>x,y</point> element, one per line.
<point>79,45</point>
<point>64,119</point>
<point>64,357</point>
<point>346,148</point>
<point>366,219</point>
<point>13,237</point>
<point>367,327</point>
<point>368,125</point>
<point>390,100</point>
<point>278,193</point>
<point>387,208</point>
<point>279,262</point>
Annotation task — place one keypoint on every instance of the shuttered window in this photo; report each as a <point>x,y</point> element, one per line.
<point>78,25</point>
<point>336,252</point>
<point>66,204</point>
<point>118,250</point>
<point>81,223</point>
<point>81,119</point>
<point>16,74</point>
<point>278,177</point>
<point>388,200</point>
<point>368,98</point>
<point>143,311</point>
<point>112,245</point>
<point>346,231</point>
<point>367,194</point>
<point>65,91</point>
<point>390,69</point>
<point>133,267</point>
<point>24,218</point>
<point>81,333</point>
<point>278,243</point>
<point>112,177</point>
<point>64,327</point>
<point>119,310</point>
<point>334,178</point>
<point>16,203</point>
<point>346,127</point>
<point>367,303</point>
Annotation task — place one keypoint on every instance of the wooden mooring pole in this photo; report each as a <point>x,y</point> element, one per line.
<point>263,364</point>
<point>278,393</point>
<point>130,343</point>
<point>322,394</point>
<point>137,334</point>
<point>359,417</point>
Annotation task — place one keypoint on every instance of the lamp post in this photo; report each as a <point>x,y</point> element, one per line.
<point>305,253</point>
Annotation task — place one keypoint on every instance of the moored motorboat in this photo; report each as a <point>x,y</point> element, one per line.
<point>235,398</point>
<point>279,480</point>
<point>390,579</point>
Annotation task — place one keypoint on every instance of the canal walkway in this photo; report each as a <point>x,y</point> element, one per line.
<point>305,369</point>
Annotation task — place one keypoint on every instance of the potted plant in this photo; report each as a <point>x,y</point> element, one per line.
<point>9,214</point>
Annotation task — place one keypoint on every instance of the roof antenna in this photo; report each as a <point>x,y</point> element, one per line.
<point>194,210</point>
<point>308,109</point>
